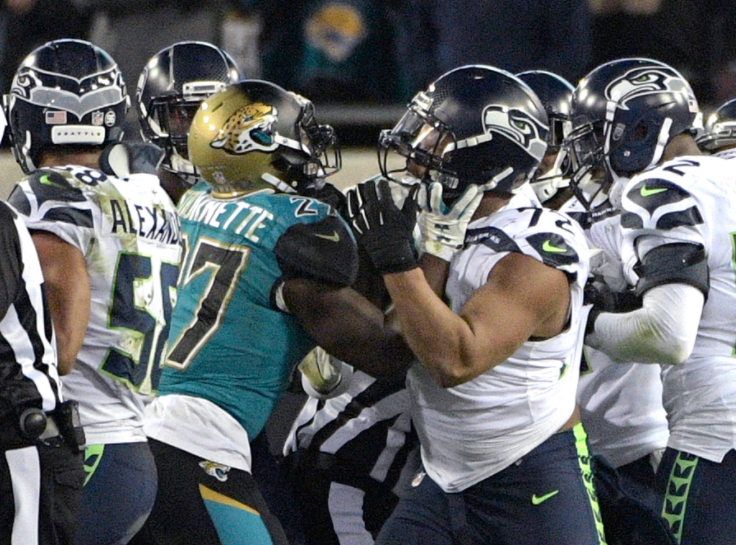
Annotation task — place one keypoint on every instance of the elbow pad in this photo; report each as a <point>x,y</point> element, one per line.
<point>679,263</point>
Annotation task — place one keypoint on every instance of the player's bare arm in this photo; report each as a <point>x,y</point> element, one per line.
<point>68,290</point>
<point>522,299</point>
<point>348,326</point>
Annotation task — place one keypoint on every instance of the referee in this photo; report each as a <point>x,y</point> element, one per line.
<point>41,472</point>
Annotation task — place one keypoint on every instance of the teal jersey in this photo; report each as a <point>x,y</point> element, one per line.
<point>229,342</point>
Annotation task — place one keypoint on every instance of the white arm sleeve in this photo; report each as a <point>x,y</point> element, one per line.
<point>662,331</point>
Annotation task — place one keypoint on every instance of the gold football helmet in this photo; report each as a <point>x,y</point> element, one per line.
<point>254,135</point>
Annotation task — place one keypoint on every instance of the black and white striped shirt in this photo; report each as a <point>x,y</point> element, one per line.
<point>28,372</point>
<point>368,427</point>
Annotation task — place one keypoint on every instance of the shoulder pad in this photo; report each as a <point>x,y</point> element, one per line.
<point>323,250</point>
<point>492,237</point>
<point>125,158</point>
<point>50,186</point>
<point>53,185</point>
<point>553,249</point>
<point>652,195</point>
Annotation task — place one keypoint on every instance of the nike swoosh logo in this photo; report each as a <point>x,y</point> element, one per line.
<point>552,249</point>
<point>334,237</point>
<point>649,192</point>
<point>536,500</point>
<point>44,180</point>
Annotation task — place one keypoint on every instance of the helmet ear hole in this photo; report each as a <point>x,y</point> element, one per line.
<point>640,132</point>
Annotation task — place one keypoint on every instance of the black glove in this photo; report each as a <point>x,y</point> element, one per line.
<point>598,294</point>
<point>384,230</point>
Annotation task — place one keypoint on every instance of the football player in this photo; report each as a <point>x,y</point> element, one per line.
<point>550,182</point>
<point>170,89</point>
<point>504,458</point>
<point>266,277</point>
<point>638,119</point>
<point>110,249</point>
<point>719,134</point>
<point>620,404</point>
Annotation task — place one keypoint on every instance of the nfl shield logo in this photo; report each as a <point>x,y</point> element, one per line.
<point>97,118</point>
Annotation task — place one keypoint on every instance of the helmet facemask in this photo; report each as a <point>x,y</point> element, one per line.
<point>433,152</point>
<point>550,178</point>
<point>719,132</point>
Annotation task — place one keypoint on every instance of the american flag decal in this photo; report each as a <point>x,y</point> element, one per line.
<point>55,118</point>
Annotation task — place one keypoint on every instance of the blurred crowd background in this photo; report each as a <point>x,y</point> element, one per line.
<point>360,61</point>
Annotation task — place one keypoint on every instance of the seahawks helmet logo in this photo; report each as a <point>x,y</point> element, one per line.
<point>66,93</point>
<point>518,126</point>
<point>249,129</point>
<point>647,80</point>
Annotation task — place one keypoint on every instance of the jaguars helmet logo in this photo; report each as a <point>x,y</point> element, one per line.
<point>647,80</point>
<point>518,126</point>
<point>249,129</point>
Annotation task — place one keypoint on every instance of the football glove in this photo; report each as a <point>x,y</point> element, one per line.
<point>381,228</point>
<point>443,229</point>
<point>320,372</point>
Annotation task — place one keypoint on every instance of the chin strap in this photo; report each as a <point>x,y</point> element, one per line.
<point>280,185</point>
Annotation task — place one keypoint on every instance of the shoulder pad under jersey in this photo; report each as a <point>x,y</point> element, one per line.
<point>548,236</point>
<point>54,192</point>
<point>656,203</point>
<point>324,250</point>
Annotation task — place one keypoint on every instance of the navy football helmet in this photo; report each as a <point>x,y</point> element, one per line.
<point>555,93</point>
<point>170,89</point>
<point>624,113</point>
<point>720,128</point>
<point>65,93</point>
<point>474,125</point>
<point>255,135</point>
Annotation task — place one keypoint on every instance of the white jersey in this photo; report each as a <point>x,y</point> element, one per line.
<point>472,431</point>
<point>620,403</point>
<point>128,232</point>
<point>726,154</point>
<point>693,200</point>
